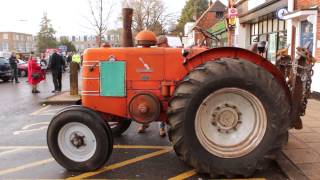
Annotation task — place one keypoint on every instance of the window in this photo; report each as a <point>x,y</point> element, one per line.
<point>5,46</point>
<point>219,15</point>
<point>16,37</point>
<point>5,36</point>
<point>273,31</point>
<point>306,36</point>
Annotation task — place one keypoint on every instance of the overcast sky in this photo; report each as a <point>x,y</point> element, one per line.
<point>68,16</point>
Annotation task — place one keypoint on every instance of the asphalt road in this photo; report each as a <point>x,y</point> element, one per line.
<point>24,154</point>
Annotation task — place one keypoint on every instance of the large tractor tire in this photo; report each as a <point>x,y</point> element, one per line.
<point>228,118</point>
<point>79,139</point>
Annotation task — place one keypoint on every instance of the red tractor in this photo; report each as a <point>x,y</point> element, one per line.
<point>228,109</point>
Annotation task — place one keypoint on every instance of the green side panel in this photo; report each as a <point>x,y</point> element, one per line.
<point>112,79</point>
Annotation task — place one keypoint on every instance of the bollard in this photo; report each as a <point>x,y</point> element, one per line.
<point>74,67</point>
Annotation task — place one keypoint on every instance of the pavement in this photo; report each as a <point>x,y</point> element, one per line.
<point>303,148</point>
<point>24,153</point>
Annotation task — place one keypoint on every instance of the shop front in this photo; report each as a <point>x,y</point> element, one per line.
<point>259,21</point>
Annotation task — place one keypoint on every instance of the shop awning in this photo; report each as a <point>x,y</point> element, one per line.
<point>301,13</point>
<point>218,28</point>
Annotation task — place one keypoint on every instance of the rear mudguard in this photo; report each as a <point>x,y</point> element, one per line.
<point>238,53</point>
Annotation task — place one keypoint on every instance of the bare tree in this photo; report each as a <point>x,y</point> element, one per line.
<point>151,15</point>
<point>100,11</point>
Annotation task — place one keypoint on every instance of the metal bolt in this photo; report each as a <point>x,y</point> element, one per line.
<point>214,123</point>
<point>219,130</point>
<point>227,131</point>
<point>227,105</point>
<point>218,108</point>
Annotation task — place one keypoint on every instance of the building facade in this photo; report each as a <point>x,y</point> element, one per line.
<point>91,41</point>
<point>281,23</point>
<point>209,20</point>
<point>258,21</point>
<point>16,42</point>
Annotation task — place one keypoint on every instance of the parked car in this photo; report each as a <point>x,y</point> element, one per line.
<point>22,68</point>
<point>5,70</point>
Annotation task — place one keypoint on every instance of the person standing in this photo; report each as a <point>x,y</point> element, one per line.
<point>35,75</point>
<point>14,66</point>
<point>43,65</point>
<point>56,64</point>
<point>162,41</point>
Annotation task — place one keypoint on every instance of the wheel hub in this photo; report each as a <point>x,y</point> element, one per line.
<point>226,118</point>
<point>77,140</point>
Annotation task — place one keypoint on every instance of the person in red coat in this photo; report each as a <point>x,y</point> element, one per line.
<point>35,75</point>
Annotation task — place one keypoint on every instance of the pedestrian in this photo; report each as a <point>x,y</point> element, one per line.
<point>43,65</point>
<point>162,41</point>
<point>35,75</point>
<point>77,59</point>
<point>14,66</point>
<point>69,58</point>
<point>56,64</point>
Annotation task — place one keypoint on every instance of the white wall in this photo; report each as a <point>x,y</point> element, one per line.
<point>315,86</point>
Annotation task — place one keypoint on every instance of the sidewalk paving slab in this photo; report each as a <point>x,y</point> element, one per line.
<point>62,98</point>
<point>303,147</point>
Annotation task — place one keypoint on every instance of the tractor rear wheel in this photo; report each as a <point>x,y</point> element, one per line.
<point>79,139</point>
<point>228,117</point>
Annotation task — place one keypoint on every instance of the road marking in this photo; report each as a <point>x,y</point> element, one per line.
<point>115,146</point>
<point>27,129</point>
<point>11,151</point>
<point>26,166</point>
<point>40,110</point>
<point>23,147</point>
<point>121,164</point>
<point>139,147</point>
<point>184,175</point>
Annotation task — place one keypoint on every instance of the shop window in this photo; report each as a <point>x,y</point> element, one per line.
<point>272,46</point>
<point>270,26</point>
<point>265,26</point>
<point>306,36</point>
<point>281,25</point>
<point>275,25</point>
<point>260,27</point>
<point>256,29</point>
<point>282,43</point>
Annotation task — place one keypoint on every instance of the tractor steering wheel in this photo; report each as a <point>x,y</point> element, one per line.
<point>206,33</point>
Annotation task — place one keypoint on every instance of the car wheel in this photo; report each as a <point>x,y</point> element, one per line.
<point>23,73</point>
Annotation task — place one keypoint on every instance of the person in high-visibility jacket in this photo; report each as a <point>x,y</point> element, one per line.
<point>77,59</point>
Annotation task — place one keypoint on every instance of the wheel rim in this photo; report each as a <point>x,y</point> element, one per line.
<point>77,142</point>
<point>23,73</point>
<point>230,123</point>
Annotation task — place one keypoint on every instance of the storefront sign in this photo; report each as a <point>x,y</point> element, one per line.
<point>254,3</point>
<point>281,13</point>
<point>232,12</point>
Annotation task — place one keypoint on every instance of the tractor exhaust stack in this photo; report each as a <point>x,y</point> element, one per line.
<point>127,14</point>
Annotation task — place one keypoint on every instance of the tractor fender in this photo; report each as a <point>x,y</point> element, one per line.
<point>238,53</point>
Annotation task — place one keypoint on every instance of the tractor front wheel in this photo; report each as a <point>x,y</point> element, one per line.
<point>228,117</point>
<point>79,139</point>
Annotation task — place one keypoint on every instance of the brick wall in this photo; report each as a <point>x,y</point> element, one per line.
<point>305,4</point>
